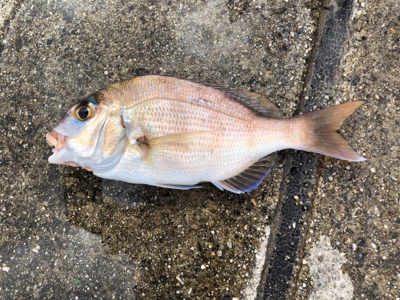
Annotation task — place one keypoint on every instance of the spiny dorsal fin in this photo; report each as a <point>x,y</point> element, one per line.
<point>256,102</point>
<point>250,178</point>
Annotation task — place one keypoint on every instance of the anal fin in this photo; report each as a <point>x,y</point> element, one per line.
<point>250,178</point>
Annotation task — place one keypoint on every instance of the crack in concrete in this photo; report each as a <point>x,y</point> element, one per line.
<point>300,169</point>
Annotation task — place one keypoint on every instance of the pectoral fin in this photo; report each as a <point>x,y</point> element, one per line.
<point>168,146</point>
<point>181,139</point>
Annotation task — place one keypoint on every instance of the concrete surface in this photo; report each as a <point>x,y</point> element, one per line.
<point>67,234</point>
<point>326,271</point>
<point>357,205</point>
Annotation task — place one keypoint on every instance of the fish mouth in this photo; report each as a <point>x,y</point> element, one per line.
<point>59,155</point>
<point>57,140</point>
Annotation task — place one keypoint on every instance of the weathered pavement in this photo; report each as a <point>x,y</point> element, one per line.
<point>318,228</point>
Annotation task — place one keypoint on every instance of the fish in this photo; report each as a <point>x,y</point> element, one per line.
<point>175,133</point>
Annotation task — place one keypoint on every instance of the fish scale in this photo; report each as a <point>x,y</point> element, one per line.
<point>240,132</point>
<point>176,133</point>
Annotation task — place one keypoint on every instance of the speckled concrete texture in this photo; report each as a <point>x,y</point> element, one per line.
<point>325,269</point>
<point>6,9</point>
<point>66,234</point>
<point>296,195</point>
<point>199,244</point>
<point>357,205</point>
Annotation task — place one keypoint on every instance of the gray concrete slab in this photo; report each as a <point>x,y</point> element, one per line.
<point>198,244</point>
<point>357,205</point>
<point>67,234</point>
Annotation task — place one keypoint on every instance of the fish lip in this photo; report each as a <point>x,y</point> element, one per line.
<point>56,139</point>
<point>75,164</point>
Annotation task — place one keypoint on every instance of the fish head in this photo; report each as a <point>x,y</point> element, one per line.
<point>90,136</point>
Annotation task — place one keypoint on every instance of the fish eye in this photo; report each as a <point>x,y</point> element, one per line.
<point>85,111</point>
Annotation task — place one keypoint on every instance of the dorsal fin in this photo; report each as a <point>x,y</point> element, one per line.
<point>250,178</point>
<point>256,102</point>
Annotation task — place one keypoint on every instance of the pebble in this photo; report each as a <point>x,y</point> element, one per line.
<point>373,170</point>
<point>5,269</point>
<point>81,195</point>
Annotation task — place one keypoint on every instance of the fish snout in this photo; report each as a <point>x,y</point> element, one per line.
<point>56,139</point>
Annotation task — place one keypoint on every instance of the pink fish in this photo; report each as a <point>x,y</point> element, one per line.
<point>175,133</point>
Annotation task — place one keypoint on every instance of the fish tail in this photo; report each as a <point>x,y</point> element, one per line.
<point>324,137</point>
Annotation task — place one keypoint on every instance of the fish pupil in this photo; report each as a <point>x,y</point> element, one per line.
<point>83,113</point>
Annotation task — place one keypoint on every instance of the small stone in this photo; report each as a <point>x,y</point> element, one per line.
<point>106,72</point>
<point>355,79</point>
<point>376,97</point>
<point>203,267</point>
<point>296,197</point>
<point>81,195</point>
<point>5,269</point>
<point>373,170</point>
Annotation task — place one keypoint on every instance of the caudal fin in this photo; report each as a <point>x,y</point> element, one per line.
<point>324,136</point>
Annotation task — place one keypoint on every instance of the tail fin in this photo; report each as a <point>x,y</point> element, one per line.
<point>324,136</point>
